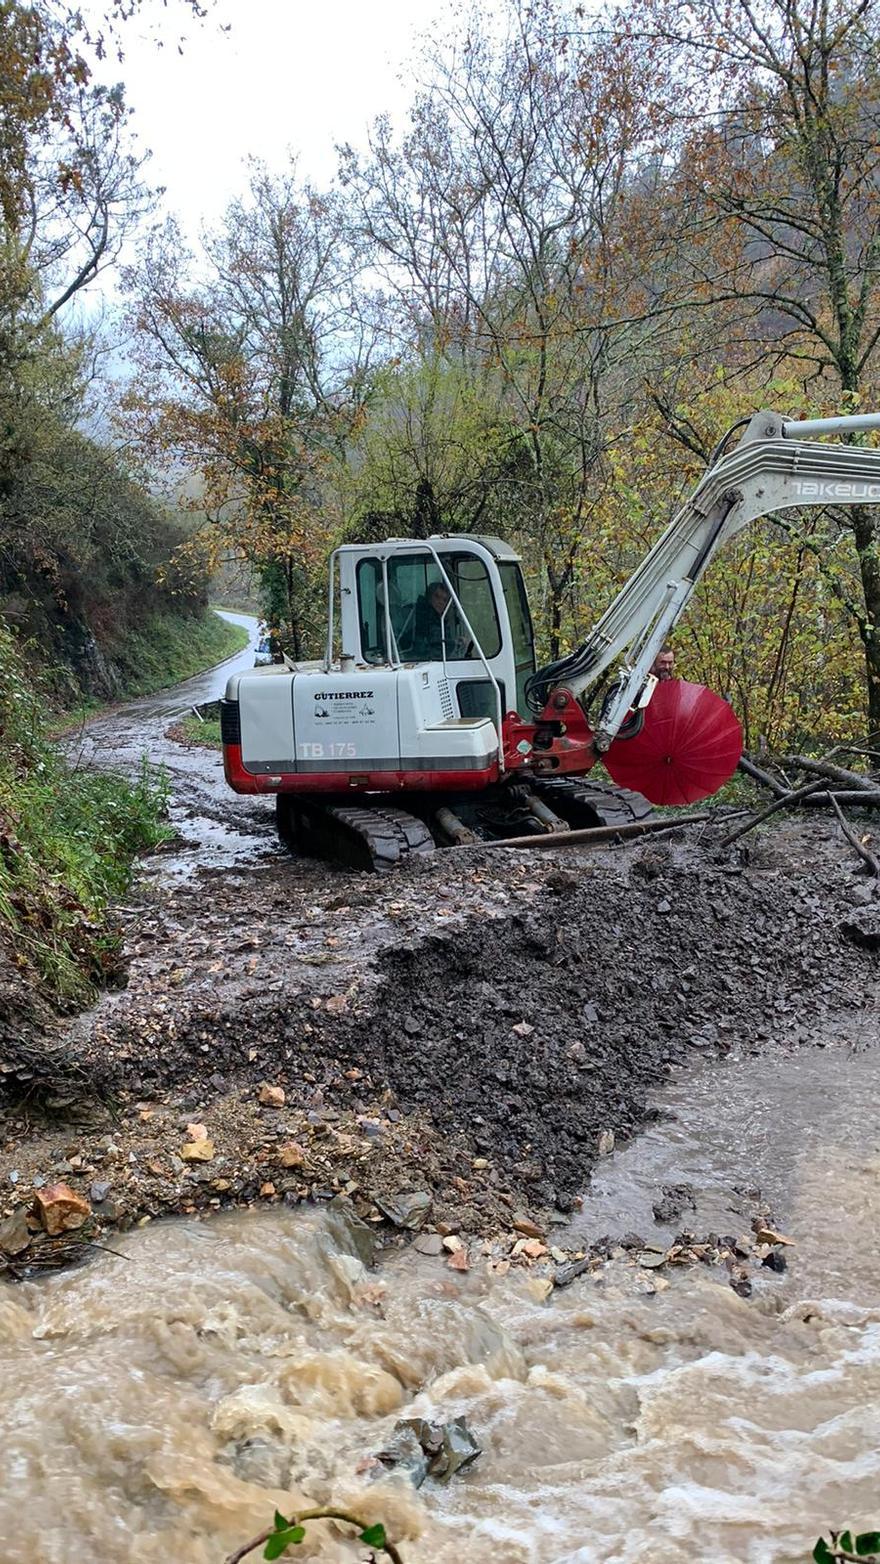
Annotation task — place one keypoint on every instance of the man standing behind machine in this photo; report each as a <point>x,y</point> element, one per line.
<point>663,666</point>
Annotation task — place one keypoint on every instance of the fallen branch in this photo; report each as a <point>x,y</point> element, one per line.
<point>772,809</point>
<point>823,768</point>
<point>866,856</point>
<point>320,1514</point>
<point>759,775</point>
<point>596,835</point>
<point>857,749</point>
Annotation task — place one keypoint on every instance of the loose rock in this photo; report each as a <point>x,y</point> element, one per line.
<point>271,1096</point>
<point>197,1151</point>
<point>60,1209</point>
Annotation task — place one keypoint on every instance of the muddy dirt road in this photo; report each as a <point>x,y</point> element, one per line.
<point>215,829</point>
<point>476,1030</point>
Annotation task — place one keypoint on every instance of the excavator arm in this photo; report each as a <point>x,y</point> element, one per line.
<point>776,465</point>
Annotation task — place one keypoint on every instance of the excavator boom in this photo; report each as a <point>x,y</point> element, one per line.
<point>776,465</point>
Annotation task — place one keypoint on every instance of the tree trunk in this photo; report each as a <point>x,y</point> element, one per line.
<point>292,614</point>
<point>556,591</point>
<point>865,531</point>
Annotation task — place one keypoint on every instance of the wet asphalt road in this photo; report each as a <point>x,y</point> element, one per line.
<point>203,687</point>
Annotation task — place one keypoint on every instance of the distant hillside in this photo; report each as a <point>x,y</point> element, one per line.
<point>88,574</point>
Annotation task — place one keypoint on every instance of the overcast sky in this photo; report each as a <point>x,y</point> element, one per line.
<point>291,74</point>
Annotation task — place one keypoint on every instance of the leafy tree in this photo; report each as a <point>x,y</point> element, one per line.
<point>768,626</point>
<point>75,535</point>
<point>430,455</point>
<point>256,375</point>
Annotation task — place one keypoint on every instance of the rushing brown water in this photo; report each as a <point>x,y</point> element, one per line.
<point>157,1407</point>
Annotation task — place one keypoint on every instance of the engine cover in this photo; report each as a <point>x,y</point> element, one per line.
<point>370,727</point>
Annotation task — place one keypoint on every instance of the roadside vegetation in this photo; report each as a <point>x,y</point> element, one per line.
<point>102,592</point>
<point>93,577</point>
<point>68,840</point>
<point>172,647</point>
<point>201,731</point>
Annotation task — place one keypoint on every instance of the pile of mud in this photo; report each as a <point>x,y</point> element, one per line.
<point>539,1034</point>
<point>533,1036</point>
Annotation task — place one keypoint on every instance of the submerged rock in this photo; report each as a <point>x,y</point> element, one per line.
<point>424,1449</point>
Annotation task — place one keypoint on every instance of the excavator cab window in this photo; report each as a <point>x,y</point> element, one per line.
<point>418,623</point>
<point>371,611</point>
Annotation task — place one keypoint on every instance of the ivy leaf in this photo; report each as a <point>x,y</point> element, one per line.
<point>280,1523</point>
<point>280,1541</point>
<point>822,1553</point>
<point>845,1542</point>
<point>374,1536</point>
<point>867,1542</point>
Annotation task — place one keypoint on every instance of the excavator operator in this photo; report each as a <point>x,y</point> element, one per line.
<point>429,626</point>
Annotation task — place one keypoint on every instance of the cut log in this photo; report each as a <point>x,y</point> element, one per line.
<point>824,768</point>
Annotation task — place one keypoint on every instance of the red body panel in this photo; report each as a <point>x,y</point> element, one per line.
<point>243,781</point>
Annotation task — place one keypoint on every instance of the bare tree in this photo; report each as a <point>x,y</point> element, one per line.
<point>497,226</point>
<point>255,373</point>
<point>774,207</point>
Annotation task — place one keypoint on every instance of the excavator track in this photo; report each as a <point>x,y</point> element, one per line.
<point>583,803</point>
<point>375,837</point>
<point>378,836</point>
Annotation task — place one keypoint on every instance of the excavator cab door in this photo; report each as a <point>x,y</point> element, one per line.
<point>522,635</point>
<point>456,605</point>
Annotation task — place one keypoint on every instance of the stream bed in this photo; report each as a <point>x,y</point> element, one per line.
<point>158,1406</point>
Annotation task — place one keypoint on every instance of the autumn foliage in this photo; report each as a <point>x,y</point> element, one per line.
<point>598,243</point>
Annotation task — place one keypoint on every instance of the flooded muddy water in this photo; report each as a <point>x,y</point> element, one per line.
<point>156,1407</point>
<point>215,829</point>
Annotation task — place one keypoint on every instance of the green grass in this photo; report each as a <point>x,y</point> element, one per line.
<point>206,734</point>
<point>68,842</point>
<point>175,647</point>
<point>742,791</point>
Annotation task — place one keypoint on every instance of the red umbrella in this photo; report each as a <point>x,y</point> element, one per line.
<point>689,744</point>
